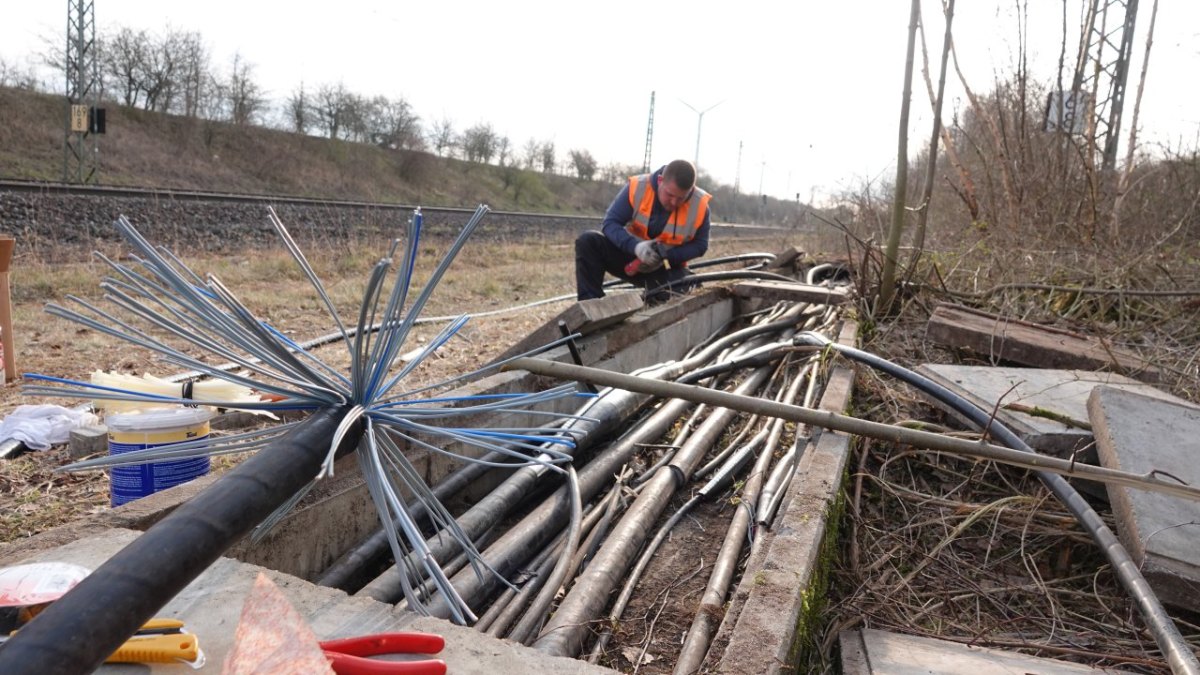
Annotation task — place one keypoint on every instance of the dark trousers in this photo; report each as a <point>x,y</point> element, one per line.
<point>595,255</point>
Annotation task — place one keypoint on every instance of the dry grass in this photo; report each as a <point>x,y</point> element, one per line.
<point>33,499</point>
<point>978,553</point>
<point>971,551</point>
<point>489,275</point>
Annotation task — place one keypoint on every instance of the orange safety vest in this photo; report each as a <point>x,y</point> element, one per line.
<point>683,224</point>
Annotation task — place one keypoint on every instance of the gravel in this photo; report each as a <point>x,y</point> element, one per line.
<point>59,226</point>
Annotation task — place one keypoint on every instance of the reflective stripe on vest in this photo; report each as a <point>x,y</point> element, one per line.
<point>681,226</point>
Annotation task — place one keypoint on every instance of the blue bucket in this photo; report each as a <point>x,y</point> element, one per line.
<point>154,428</point>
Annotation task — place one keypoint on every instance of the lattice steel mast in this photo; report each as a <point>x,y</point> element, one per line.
<point>80,152</point>
<point>1102,70</point>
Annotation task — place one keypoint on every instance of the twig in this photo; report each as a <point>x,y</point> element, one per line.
<point>1038,411</point>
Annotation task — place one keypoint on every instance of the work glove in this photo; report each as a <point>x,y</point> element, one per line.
<point>648,253</point>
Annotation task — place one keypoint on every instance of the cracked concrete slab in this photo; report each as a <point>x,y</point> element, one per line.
<point>1141,434</point>
<point>877,652</point>
<point>211,605</point>
<point>1060,392</point>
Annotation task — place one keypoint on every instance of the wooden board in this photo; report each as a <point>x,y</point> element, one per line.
<point>999,338</point>
<point>8,342</point>
<point>877,652</point>
<point>774,291</point>
<point>787,258</point>
<point>1140,434</point>
<point>585,316</point>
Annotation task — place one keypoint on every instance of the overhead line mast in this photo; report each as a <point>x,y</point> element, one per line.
<point>1102,70</point>
<point>649,137</point>
<point>83,118</point>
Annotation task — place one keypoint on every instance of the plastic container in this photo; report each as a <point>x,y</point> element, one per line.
<point>154,428</point>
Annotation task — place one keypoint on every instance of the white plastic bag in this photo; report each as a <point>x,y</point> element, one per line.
<point>41,426</point>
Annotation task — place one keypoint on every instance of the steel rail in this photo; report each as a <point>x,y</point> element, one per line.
<point>117,191</point>
<point>246,198</point>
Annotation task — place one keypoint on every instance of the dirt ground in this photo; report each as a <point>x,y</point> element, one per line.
<point>658,616</point>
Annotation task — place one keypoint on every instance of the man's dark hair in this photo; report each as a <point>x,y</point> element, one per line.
<point>682,173</point>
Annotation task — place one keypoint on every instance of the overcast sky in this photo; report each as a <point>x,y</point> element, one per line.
<point>805,92</point>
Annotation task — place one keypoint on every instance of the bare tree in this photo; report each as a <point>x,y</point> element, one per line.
<point>888,275</point>
<point>194,75</point>
<point>12,75</point>
<point>931,161</point>
<point>617,173</point>
<point>442,137</point>
<point>504,151</point>
<point>1122,187</point>
<point>532,154</point>
<point>122,55</point>
<point>170,73</point>
<point>547,156</point>
<point>298,111</point>
<point>583,163</point>
<point>393,124</point>
<point>966,188</point>
<point>158,66</point>
<point>356,118</point>
<point>479,143</point>
<point>329,108</point>
<point>244,98</point>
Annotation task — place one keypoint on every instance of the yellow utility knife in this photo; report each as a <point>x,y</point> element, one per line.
<point>158,641</point>
<point>166,648</point>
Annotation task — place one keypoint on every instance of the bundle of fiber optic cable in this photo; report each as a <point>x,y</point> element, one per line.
<point>157,302</point>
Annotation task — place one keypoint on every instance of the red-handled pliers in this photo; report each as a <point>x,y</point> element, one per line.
<point>348,655</point>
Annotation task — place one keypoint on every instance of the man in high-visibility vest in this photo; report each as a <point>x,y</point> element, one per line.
<point>656,224</point>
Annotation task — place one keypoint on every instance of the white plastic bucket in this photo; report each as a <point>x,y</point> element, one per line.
<point>154,428</point>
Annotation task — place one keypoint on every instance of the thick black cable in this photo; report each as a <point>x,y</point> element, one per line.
<point>82,628</point>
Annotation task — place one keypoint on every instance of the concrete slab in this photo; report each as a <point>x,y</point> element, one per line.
<point>1061,392</point>
<point>1140,434</point>
<point>877,652</point>
<point>780,595</point>
<point>211,606</point>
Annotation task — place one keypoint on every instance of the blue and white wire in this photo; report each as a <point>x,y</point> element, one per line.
<point>168,296</point>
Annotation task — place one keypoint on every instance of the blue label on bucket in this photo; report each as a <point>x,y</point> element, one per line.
<point>134,482</point>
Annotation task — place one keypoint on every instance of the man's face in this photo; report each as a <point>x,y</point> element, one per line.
<point>671,195</point>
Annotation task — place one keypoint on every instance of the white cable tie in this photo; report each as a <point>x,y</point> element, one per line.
<point>351,417</point>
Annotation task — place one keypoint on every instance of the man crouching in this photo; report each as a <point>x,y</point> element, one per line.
<point>656,224</point>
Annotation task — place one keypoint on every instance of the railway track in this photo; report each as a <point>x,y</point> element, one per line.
<point>60,222</point>
<point>170,194</point>
<point>121,192</point>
